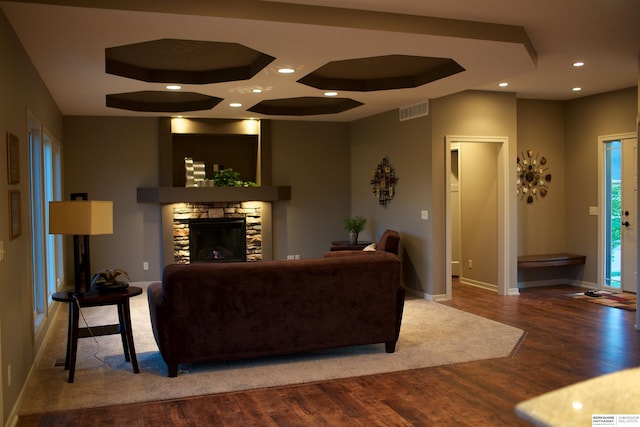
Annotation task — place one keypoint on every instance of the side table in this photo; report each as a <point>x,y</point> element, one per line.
<point>120,298</point>
<point>344,245</point>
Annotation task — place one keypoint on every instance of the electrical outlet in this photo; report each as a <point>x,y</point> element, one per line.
<point>145,266</point>
<point>470,264</point>
<point>291,257</point>
<point>297,256</point>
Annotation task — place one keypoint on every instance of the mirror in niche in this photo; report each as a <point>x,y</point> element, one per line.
<point>532,179</point>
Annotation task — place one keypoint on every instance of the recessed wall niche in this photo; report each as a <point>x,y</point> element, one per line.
<point>238,152</point>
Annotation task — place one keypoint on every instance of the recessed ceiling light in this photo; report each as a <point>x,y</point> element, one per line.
<point>235,105</point>
<point>331,94</point>
<point>257,91</point>
<point>173,87</point>
<point>503,84</point>
<point>578,64</point>
<point>286,70</point>
<point>576,89</point>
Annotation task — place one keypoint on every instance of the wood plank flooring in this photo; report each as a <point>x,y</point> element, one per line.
<point>566,341</point>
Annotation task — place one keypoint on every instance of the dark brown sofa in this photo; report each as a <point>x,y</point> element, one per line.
<point>212,312</point>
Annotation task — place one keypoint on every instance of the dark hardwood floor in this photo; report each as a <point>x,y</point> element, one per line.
<point>566,341</point>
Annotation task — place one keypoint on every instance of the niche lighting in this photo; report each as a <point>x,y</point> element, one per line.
<point>251,126</point>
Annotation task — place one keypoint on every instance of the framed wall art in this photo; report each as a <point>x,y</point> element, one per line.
<point>383,182</point>
<point>15,227</point>
<point>13,158</point>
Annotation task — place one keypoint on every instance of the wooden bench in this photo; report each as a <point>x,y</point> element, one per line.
<point>551,260</point>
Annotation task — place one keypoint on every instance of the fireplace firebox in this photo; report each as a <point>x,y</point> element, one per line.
<point>217,240</point>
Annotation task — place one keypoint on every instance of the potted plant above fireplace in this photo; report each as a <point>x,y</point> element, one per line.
<point>230,178</point>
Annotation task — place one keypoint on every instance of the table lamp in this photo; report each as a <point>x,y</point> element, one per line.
<point>81,218</point>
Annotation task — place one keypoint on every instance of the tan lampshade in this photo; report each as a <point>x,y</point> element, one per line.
<point>81,217</point>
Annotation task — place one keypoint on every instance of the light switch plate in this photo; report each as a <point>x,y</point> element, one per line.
<point>424,214</point>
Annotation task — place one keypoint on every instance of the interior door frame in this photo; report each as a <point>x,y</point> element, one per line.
<point>506,254</point>
<point>601,185</point>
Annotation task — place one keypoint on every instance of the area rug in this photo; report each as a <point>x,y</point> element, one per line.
<point>624,300</point>
<point>432,335</point>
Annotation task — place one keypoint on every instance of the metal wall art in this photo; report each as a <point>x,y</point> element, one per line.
<point>532,176</point>
<point>383,182</point>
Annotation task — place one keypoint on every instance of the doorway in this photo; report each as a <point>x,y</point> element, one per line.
<point>506,259</point>
<point>618,228</point>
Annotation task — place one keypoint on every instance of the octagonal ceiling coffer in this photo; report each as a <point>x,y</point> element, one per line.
<point>158,101</point>
<point>381,73</point>
<point>304,106</point>
<point>185,61</point>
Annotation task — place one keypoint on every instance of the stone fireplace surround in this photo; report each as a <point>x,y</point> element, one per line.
<point>184,212</point>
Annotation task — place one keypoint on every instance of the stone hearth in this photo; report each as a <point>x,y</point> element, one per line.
<point>183,212</point>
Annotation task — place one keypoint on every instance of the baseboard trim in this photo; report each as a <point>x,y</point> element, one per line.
<point>479,284</point>
<point>423,295</point>
<point>553,282</point>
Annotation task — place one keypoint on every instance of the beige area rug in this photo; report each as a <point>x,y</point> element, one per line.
<point>432,335</point>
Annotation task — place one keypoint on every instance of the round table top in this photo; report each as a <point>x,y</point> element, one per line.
<point>346,243</point>
<point>98,297</point>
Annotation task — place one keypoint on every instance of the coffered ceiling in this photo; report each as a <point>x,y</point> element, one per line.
<point>529,44</point>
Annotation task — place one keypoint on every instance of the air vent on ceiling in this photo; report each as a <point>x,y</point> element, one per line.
<point>413,111</point>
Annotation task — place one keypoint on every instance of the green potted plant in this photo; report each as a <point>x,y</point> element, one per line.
<point>354,225</point>
<point>230,178</point>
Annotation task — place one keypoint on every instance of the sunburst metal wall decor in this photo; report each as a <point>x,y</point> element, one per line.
<point>383,182</point>
<point>532,177</point>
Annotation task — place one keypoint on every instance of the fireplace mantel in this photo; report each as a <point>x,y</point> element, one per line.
<point>165,195</point>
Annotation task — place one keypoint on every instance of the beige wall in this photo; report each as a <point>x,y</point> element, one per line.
<point>407,145</point>
<point>314,159</point>
<point>541,225</point>
<point>470,113</point>
<point>22,91</point>
<point>478,192</point>
<point>113,156</point>
<point>586,119</point>
<point>109,158</point>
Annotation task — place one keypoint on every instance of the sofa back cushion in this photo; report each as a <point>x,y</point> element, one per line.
<point>261,307</point>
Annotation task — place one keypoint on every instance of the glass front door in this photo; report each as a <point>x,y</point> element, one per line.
<point>620,228</point>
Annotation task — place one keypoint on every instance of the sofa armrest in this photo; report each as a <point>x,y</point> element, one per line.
<point>159,314</point>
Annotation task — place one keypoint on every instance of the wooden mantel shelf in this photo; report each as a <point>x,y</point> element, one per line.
<point>165,195</point>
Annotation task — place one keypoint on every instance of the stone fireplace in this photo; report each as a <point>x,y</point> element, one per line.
<point>217,214</point>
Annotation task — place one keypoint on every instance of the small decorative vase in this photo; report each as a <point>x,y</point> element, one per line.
<point>353,237</point>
